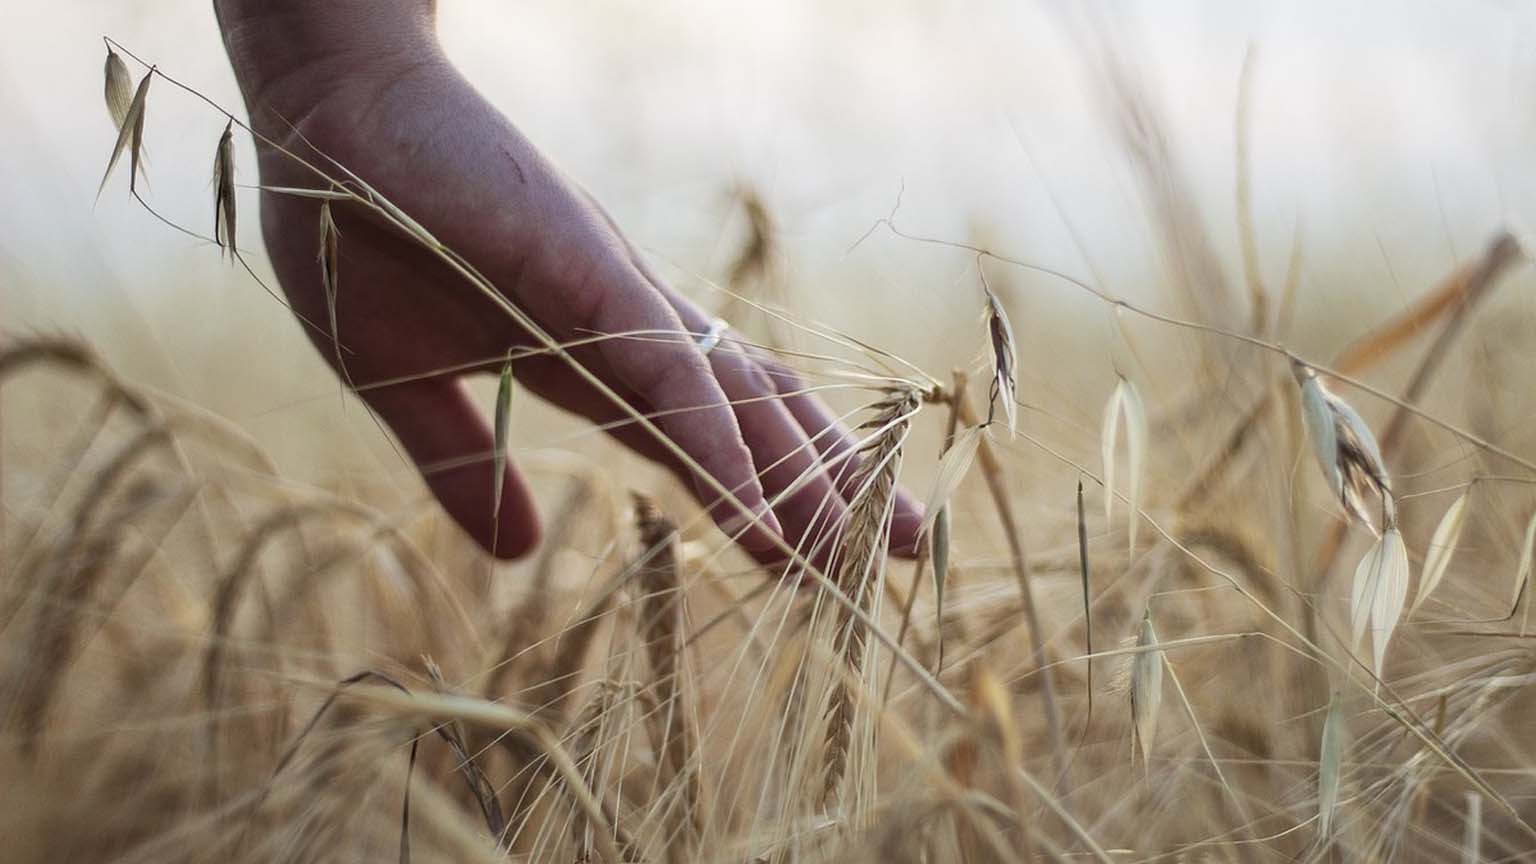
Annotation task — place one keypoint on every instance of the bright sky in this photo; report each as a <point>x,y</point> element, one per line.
<point>1410,124</point>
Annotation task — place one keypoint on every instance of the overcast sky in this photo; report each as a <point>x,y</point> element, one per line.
<point>1403,128</point>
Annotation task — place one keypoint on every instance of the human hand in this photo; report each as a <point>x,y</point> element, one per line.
<point>366,85</point>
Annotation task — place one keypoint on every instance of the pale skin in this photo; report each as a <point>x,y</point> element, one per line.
<point>366,83</point>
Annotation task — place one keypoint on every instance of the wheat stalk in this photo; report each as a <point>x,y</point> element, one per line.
<point>662,619</point>
<point>856,568</point>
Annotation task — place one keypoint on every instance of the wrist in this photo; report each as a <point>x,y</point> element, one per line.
<point>290,54</point>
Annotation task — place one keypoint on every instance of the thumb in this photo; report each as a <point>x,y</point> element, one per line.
<point>454,450</point>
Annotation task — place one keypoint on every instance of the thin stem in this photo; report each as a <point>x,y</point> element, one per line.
<point>992,470</point>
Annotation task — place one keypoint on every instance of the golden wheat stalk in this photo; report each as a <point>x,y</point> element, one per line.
<point>662,618</point>
<point>857,563</point>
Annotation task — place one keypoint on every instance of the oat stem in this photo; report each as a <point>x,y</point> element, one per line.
<point>992,470</point>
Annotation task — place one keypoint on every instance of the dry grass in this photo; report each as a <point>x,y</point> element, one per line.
<point>200,659</point>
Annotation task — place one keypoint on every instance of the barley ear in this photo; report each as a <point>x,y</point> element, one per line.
<point>130,134</point>
<point>1328,766</point>
<point>1442,545</point>
<point>119,89</point>
<point>224,190</point>
<point>1146,690</point>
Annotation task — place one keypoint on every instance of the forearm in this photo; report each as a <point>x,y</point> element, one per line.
<point>280,48</point>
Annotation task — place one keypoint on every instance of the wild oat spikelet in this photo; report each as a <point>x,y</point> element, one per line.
<point>1442,545</point>
<point>1005,362</point>
<point>1125,401</point>
<point>1146,690</point>
<point>330,264</point>
<point>857,568</point>
<point>1378,594</point>
<point>130,134</point>
<point>1346,451</point>
<point>118,89</point>
<point>1328,767</point>
<point>503,422</point>
<point>1351,461</point>
<point>224,190</point>
<point>953,466</point>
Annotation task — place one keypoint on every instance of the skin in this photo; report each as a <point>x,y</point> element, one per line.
<point>365,83</point>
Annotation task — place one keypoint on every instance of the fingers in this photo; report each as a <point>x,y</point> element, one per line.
<point>452,446</point>
<point>800,489</point>
<point>791,436</point>
<point>673,378</point>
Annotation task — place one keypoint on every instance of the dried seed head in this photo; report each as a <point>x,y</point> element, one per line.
<point>130,134</point>
<point>1442,545</point>
<point>330,263</point>
<point>503,423</point>
<point>1378,594</point>
<point>119,89</point>
<point>224,190</point>
<point>1005,361</point>
<point>1146,690</point>
<point>1346,451</point>
<point>939,552</point>
<point>1328,767</point>
<point>1126,401</point>
<point>953,466</point>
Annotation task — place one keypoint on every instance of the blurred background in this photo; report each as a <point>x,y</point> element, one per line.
<point>1387,143</point>
<point>1387,140</point>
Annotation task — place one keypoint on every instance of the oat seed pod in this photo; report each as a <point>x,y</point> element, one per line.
<point>1346,451</point>
<point>1442,545</point>
<point>1378,594</point>
<point>1328,767</point>
<point>130,132</point>
<point>1124,402</point>
<point>118,90</point>
<point>1005,361</point>
<point>224,190</point>
<point>503,422</point>
<point>1146,690</point>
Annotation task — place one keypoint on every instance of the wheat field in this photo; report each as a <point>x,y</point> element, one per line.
<point>1236,568</point>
